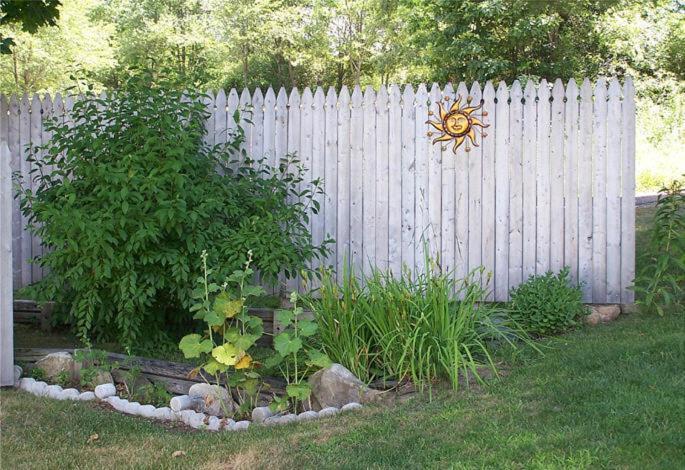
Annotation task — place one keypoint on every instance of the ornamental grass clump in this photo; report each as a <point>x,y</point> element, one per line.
<point>425,326</point>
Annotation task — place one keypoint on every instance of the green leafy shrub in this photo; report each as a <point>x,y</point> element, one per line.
<point>660,283</point>
<point>128,196</point>
<point>547,304</point>
<point>230,332</point>
<point>422,326</point>
<point>37,373</point>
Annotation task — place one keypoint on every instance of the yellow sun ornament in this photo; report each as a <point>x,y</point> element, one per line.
<point>458,123</point>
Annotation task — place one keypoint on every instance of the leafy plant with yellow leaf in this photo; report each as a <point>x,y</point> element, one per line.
<point>230,333</point>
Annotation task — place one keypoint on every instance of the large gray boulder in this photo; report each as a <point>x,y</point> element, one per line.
<point>216,400</point>
<point>57,363</point>
<point>336,386</point>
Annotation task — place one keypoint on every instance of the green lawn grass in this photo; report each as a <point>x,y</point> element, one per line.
<point>605,397</point>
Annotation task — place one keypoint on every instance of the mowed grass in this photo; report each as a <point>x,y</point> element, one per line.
<point>606,397</point>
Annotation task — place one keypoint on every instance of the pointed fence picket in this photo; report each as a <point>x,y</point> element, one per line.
<point>551,184</point>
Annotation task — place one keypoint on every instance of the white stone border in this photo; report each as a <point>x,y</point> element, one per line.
<point>179,410</point>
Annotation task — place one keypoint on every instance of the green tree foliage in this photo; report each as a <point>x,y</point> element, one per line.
<point>29,15</point>
<point>133,199</point>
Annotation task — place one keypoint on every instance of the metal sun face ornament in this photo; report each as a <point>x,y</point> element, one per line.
<point>458,124</point>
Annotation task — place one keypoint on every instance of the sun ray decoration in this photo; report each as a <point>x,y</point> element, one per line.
<point>458,124</point>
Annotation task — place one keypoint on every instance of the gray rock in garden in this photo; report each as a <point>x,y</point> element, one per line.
<point>197,421</point>
<point>328,411</point>
<point>241,426</point>
<point>146,411</point>
<point>26,383</point>
<point>86,396</point>
<point>336,386</point>
<point>214,423</point>
<point>279,420</point>
<point>57,363</point>
<point>17,374</point>
<point>307,416</point>
<point>39,389</point>
<point>216,400</point>
<point>261,413</point>
<point>351,406</point>
<point>53,391</point>
<point>164,413</point>
<point>227,424</point>
<point>185,402</point>
<point>69,394</point>
<point>132,408</point>
<point>105,390</point>
<point>186,415</point>
<point>117,403</point>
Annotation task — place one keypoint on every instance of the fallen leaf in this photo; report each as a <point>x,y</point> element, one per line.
<point>178,453</point>
<point>93,438</point>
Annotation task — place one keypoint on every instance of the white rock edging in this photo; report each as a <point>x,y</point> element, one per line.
<point>181,407</point>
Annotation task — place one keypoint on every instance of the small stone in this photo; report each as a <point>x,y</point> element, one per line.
<point>69,394</point>
<point>215,400</point>
<point>607,313</point>
<point>57,363</point>
<point>197,421</point>
<point>307,416</point>
<point>86,396</point>
<point>241,426</point>
<point>53,391</point>
<point>39,389</point>
<point>328,411</point>
<point>185,416</point>
<point>105,390</point>
<point>185,402</point>
<point>146,411</point>
<point>227,424</point>
<point>261,413</point>
<point>132,408</point>
<point>351,406</point>
<point>26,383</point>
<point>164,413</point>
<point>214,423</point>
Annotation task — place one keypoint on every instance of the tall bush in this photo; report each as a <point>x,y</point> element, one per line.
<point>129,195</point>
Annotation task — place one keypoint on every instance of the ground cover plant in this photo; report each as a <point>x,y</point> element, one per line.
<point>134,196</point>
<point>421,326</point>
<point>547,303</point>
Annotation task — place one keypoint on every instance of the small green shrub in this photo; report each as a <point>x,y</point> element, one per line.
<point>660,284</point>
<point>547,303</point>
<point>421,326</point>
<point>126,197</point>
<point>152,394</point>
<point>93,363</point>
<point>290,345</point>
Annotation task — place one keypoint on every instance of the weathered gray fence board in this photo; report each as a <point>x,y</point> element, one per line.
<point>551,185</point>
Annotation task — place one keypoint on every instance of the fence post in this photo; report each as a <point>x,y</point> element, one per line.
<point>6,333</point>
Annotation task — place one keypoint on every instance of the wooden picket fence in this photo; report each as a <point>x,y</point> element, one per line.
<point>551,185</point>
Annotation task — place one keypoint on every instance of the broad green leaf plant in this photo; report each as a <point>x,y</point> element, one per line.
<point>294,357</point>
<point>230,333</point>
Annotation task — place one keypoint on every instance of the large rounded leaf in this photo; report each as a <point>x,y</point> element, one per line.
<point>227,354</point>
<point>192,346</point>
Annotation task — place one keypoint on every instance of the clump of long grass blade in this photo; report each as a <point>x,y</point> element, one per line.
<point>425,326</point>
